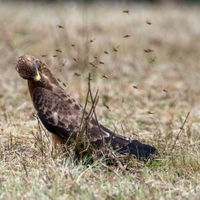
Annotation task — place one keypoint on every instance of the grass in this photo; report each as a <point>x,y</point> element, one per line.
<point>146,96</point>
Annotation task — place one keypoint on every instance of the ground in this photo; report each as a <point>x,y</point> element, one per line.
<point>144,60</point>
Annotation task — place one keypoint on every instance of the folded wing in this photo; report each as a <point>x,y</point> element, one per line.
<point>62,116</point>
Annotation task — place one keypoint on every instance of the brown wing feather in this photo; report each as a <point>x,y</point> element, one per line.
<point>62,116</point>
<point>58,117</point>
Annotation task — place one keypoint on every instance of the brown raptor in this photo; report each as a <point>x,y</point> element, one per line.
<point>61,114</point>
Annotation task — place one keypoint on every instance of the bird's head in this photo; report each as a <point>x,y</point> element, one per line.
<point>27,68</point>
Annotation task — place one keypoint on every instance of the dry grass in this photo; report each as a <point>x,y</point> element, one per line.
<point>148,95</point>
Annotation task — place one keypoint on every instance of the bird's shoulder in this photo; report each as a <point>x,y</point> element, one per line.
<point>56,96</point>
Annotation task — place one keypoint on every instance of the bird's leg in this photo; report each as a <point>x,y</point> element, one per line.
<point>57,140</point>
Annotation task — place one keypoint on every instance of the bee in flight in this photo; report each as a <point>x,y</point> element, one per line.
<point>77,74</point>
<point>59,50</point>
<point>75,60</point>
<point>104,76</point>
<point>60,26</point>
<point>126,36</point>
<point>148,22</point>
<point>107,106</point>
<point>92,40</point>
<point>148,50</point>
<point>116,49</point>
<point>126,11</point>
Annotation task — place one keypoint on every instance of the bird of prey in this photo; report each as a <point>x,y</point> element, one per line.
<point>62,115</point>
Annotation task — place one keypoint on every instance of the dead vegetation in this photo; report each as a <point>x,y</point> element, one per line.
<point>145,64</point>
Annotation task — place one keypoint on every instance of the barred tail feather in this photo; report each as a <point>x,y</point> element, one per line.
<point>138,149</point>
<point>125,145</point>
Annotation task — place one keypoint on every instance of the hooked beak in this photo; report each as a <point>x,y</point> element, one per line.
<point>38,78</point>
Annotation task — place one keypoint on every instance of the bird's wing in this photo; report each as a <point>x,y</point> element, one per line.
<point>97,135</point>
<point>62,116</point>
<point>59,116</point>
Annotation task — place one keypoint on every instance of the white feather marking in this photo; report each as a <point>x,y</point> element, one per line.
<point>108,134</point>
<point>55,118</point>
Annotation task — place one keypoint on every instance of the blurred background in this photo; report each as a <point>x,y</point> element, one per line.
<point>144,59</point>
<point>146,51</point>
<point>118,1</point>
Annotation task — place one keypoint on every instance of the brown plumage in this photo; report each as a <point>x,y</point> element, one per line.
<point>61,114</point>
